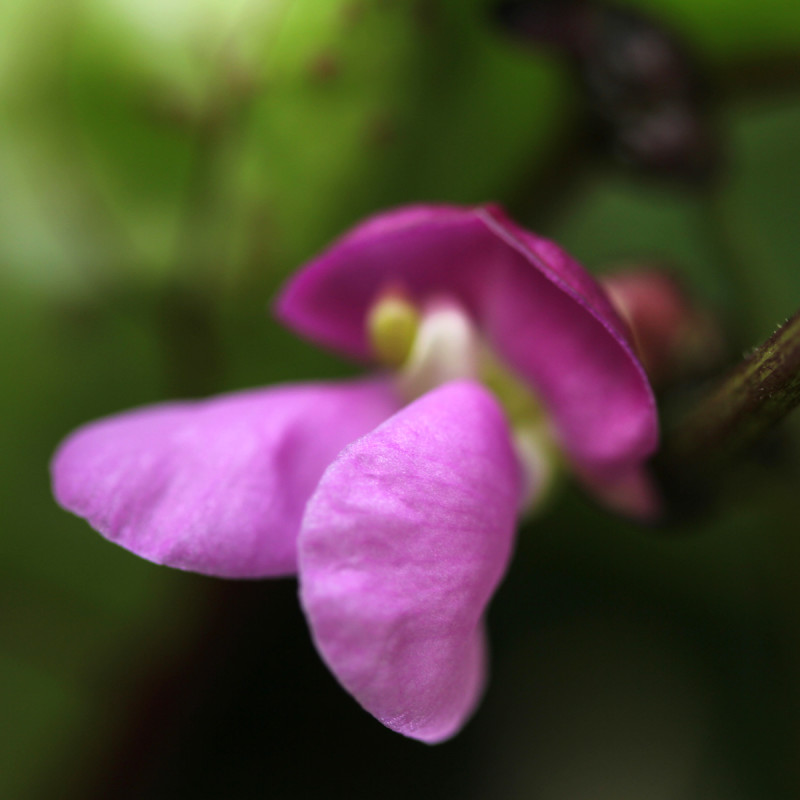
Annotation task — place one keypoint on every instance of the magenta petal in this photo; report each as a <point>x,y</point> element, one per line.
<point>541,311</point>
<point>554,325</point>
<point>216,486</point>
<point>425,250</point>
<point>401,548</point>
<point>631,491</point>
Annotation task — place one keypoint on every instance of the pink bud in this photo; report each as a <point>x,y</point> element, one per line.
<point>672,332</point>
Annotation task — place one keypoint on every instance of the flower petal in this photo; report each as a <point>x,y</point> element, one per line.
<point>401,548</point>
<point>541,311</point>
<point>631,491</point>
<point>555,327</point>
<point>216,486</point>
<point>425,250</point>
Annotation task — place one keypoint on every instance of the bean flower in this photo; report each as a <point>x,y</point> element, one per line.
<point>394,498</point>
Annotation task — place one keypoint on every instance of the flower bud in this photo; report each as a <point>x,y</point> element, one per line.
<point>673,334</point>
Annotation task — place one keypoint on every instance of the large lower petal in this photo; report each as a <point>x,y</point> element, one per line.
<point>215,486</point>
<point>541,311</point>
<point>401,548</point>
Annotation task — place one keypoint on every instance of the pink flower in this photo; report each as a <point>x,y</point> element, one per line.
<point>393,498</point>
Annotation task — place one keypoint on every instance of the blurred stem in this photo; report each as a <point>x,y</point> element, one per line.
<point>188,312</point>
<point>190,339</point>
<point>756,395</point>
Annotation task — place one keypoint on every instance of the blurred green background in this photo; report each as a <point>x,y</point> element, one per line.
<point>164,165</point>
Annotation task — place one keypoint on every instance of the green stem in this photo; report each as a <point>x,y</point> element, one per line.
<point>756,395</point>
<point>188,316</point>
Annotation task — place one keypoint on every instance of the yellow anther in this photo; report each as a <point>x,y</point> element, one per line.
<point>392,326</point>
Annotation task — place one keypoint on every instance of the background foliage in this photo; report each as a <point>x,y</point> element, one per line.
<point>164,166</point>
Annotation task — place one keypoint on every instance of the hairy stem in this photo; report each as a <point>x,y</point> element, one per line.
<point>756,395</point>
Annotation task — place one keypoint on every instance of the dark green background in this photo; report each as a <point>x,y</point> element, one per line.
<point>163,167</point>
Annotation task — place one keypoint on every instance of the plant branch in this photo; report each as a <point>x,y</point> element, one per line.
<point>756,395</point>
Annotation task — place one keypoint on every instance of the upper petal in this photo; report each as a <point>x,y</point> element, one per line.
<point>216,486</point>
<point>554,325</point>
<point>401,548</point>
<point>425,250</point>
<point>541,311</point>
